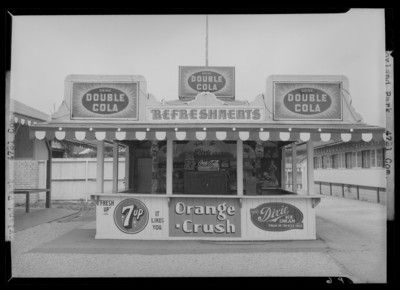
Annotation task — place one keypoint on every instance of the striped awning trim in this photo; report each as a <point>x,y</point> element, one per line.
<point>203,135</point>
<point>24,121</point>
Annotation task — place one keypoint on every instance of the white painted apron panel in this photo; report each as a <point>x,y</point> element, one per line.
<point>107,229</point>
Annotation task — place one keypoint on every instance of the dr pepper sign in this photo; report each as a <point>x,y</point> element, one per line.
<point>197,79</point>
<point>307,101</point>
<point>109,100</point>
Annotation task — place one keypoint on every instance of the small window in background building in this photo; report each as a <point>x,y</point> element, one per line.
<point>342,163</point>
<point>324,162</point>
<point>348,160</point>
<point>359,159</point>
<point>335,163</point>
<point>373,158</point>
<point>366,159</point>
<point>354,160</point>
<point>316,162</point>
<point>379,158</point>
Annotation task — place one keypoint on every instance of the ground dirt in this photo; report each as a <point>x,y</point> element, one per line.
<point>87,210</point>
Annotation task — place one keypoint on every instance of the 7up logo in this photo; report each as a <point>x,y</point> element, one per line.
<point>131,216</point>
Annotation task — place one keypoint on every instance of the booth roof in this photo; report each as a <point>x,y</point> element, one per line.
<point>233,131</point>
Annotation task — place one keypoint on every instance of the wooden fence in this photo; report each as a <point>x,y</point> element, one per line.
<point>352,191</point>
<point>75,178</point>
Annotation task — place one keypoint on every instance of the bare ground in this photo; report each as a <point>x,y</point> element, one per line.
<point>87,210</point>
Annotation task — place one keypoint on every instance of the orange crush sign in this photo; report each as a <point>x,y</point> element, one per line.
<point>198,217</point>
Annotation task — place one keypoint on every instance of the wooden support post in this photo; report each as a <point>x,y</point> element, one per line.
<point>286,177</point>
<point>358,193</point>
<point>133,169</point>
<point>320,187</point>
<point>283,168</point>
<point>86,178</point>
<point>154,167</point>
<point>377,195</point>
<point>310,167</point>
<point>294,168</point>
<point>330,188</point>
<point>100,167</point>
<point>239,166</point>
<point>48,175</point>
<point>115,167</point>
<point>28,201</point>
<point>342,189</point>
<point>127,161</point>
<point>170,163</point>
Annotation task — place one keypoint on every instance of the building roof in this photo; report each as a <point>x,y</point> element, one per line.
<point>25,114</point>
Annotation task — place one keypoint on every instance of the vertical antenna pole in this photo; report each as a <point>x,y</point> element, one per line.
<point>206,40</point>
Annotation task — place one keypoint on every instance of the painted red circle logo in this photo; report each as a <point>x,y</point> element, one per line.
<point>131,216</point>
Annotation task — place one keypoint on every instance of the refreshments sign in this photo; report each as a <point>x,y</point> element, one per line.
<point>194,115</point>
<point>204,217</point>
<point>277,217</point>
<point>217,80</point>
<point>104,101</point>
<point>307,101</point>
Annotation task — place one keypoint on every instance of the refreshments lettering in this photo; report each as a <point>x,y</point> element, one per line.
<point>205,114</point>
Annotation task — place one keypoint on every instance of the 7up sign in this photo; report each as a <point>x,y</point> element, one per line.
<point>131,216</point>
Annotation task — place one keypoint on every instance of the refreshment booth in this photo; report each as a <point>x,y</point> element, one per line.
<point>205,166</point>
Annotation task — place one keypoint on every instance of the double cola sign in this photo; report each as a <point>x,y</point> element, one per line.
<point>217,80</point>
<point>277,217</point>
<point>105,100</point>
<point>206,81</point>
<point>308,101</point>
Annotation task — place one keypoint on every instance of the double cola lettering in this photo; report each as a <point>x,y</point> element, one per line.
<point>307,101</point>
<point>206,81</point>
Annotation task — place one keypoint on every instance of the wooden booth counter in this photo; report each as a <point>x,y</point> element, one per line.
<point>202,217</point>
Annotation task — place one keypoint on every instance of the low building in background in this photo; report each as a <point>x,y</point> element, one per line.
<point>31,155</point>
<point>353,170</point>
<point>28,152</point>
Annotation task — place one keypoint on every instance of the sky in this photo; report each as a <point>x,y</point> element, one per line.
<point>46,49</point>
